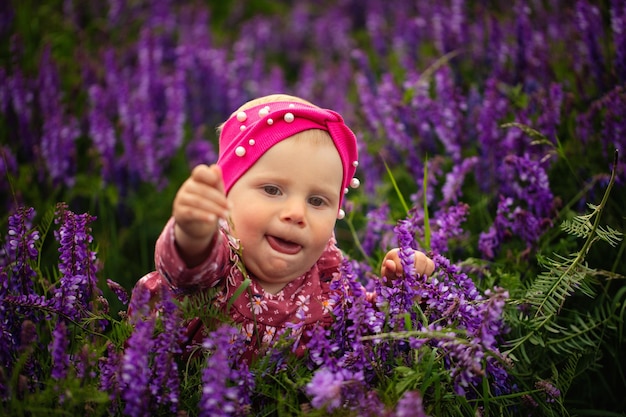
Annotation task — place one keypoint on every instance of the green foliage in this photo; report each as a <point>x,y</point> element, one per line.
<point>568,316</point>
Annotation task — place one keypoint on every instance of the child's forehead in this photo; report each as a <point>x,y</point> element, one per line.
<point>298,154</point>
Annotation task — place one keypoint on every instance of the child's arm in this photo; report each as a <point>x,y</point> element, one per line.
<point>198,205</point>
<point>392,267</point>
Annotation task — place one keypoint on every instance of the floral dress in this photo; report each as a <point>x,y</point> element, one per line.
<point>301,305</point>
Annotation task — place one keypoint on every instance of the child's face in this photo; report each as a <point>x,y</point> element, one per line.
<point>285,207</point>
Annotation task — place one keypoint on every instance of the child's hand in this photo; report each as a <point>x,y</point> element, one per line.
<point>198,205</point>
<point>392,267</point>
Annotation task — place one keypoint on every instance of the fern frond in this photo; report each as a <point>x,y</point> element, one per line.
<point>562,278</point>
<point>567,275</point>
<point>609,235</point>
<point>584,334</point>
<point>579,226</point>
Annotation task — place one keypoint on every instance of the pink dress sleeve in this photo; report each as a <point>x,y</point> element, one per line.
<point>171,266</point>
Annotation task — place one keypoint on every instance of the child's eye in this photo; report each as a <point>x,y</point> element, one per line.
<point>271,190</point>
<point>316,201</point>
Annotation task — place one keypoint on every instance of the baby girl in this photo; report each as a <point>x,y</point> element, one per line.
<point>264,216</point>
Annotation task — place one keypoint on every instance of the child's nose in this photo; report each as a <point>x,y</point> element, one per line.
<point>294,211</point>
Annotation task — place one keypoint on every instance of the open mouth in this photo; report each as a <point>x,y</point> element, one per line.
<point>283,246</point>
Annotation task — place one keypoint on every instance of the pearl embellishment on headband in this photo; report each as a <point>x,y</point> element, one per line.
<point>264,111</point>
<point>355,164</point>
<point>242,116</point>
<point>240,151</point>
<point>251,142</point>
<point>288,117</point>
<point>341,214</point>
<point>354,183</point>
<point>242,127</point>
<point>270,122</point>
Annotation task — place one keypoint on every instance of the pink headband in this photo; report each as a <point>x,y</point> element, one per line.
<point>247,135</point>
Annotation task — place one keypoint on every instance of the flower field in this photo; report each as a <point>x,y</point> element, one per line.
<point>492,137</point>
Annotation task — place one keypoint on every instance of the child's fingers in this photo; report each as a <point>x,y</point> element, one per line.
<point>423,264</point>
<point>389,269</point>
<point>202,194</point>
<point>208,175</point>
<point>189,207</point>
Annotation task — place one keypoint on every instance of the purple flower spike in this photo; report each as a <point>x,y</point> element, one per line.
<point>119,291</point>
<point>135,372</point>
<point>552,392</point>
<point>410,405</point>
<point>58,350</point>
<point>20,250</point>
<point>225,389</point>
<point>165,383</point>
<point>325,389</point>
<point>78,285</point>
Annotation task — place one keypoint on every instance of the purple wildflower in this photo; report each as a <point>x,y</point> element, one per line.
<point>58,350</point>
<point>493,109</point>
<point>84,362</point>
<point>139,307</point>
<point>200,150</point>
<point>589,22</point>
<point>618,26</point>
<point>332,386</point>
<point>446,225</point>
<point>340,350</point>
<point>17,296</point>
<point>165,383</point>
<point>406,243</point>
<point>448,299</point>
<point>20,250</point>
<point>529,401</point>
<point>19,103</point>
<point>28,334</point>
<point>379,232</point>
<point>225,389</point>
<point>109,365</point>
<point>410,405</point>
<point>609,111</point>
<point>526,179</point>
<point>77,263</point>
<point>135,370</point>
<point>296,328</point>
<point>171,131</point>
<point>549,104</point>
<point>552,392</point>
<point>354,315</point>
<point>101,129</point>
<point>325,389</point>
<point>455,179</point>
<point>60,132</point>
<point>448,116</point>
<point>489,242</point>
<point>400,296</point>
<point>118,290</point>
